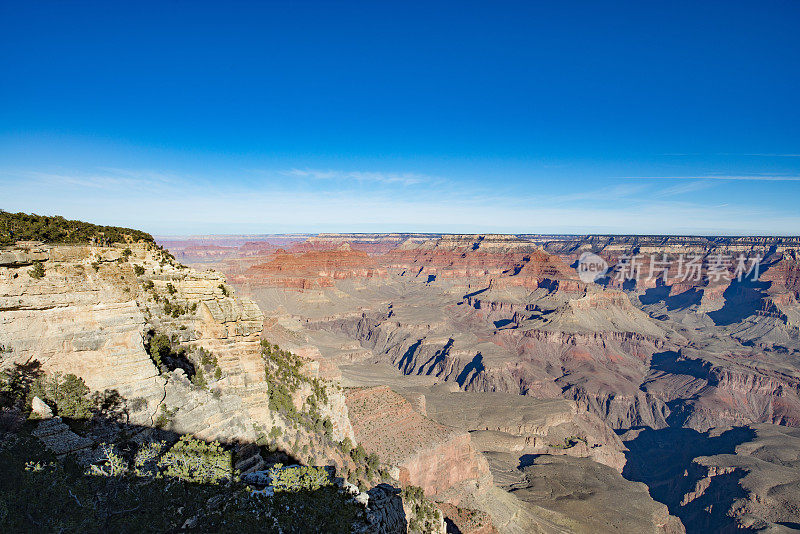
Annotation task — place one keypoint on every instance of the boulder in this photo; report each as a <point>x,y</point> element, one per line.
<point>40,409</point>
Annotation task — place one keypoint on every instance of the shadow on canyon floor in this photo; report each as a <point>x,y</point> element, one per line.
<point>662,459</point>
<point>743,298</point>
<point>675,302</point>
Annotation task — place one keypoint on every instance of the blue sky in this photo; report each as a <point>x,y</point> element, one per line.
<point>574,117</point>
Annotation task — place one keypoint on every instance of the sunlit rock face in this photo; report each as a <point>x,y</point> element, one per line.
<point>80,320</point>
<point>430,455</point>
<point>90,315</point>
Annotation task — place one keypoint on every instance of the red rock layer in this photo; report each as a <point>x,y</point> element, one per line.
<point>314,269</point>
<point>435,457</point>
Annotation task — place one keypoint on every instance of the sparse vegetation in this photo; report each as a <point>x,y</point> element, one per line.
<point>424,514</point>
<point>167,357</point>
<point>30,227</point>
<point>199,379</point>
<point>196,461</point>
<point>37,272</point>
<point>68,394</point>
<point>284,378</point>
<point>346,445</point>
<point>358,454</point>
<point>206,361</point>
<point>570,442</point>
<point>174,310</point>
<point>225,291</point>
<point>165,416</point>
<point>158,488</point>
<point>299,478</point>
<point>283,372</point>
<point>138,270</point>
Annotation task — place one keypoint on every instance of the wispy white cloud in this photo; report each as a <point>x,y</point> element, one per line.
<point>774,155</point>
<point>174,204</point>
<point>682,189</point>
<point>361,176</point>
<point>604,193</point>
<point>106,180</point>
<point>743,177</point>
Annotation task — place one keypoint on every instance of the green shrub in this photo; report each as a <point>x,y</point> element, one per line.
<point>198,379</point>
<point>165,417</point>
<point>208,361</point>
<point>37,272</point>
<point>373,465</point>
<point>165,356</point>
<point>138,270</point>
<point>145,462</point>
<point>16,382</point>
<point>68,393</point>
<point>171,288</point>
<point>57,229</point>
<point>359,455</point>
<point>425,516</point>
<point>206,356</point>
<point>160,347</point>
<point>196,461</point>
<point>299,478</point>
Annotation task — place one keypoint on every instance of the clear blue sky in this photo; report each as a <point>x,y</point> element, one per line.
<point>192,117</point>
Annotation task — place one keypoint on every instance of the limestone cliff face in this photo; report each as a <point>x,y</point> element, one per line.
<point>228,327</point>
<point>90,315</point>
<point>81,320</point>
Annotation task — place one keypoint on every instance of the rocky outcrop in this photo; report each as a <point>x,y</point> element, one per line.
<point>502,422</point>
<point>429,455</point>
<point>520,360</point>
<point>90,315</point>
<point>59,439</point>
<point>704,389</point>
<point>82,320</point>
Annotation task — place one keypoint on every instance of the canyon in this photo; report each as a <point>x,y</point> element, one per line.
<point>488,371</point>
<point>550,374</point>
